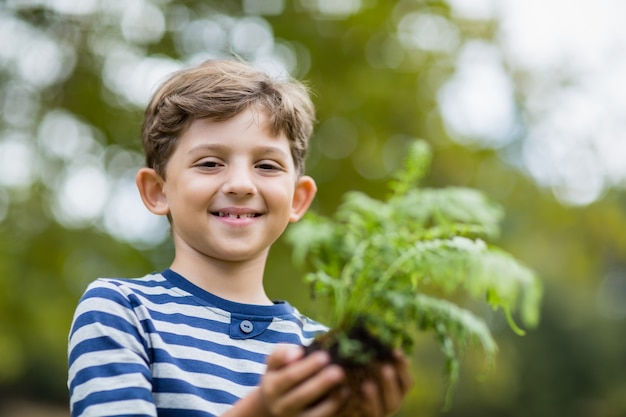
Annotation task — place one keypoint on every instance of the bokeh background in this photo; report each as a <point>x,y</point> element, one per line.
<point>524,100</point>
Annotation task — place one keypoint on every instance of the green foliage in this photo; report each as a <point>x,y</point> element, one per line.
<point>409,262</point>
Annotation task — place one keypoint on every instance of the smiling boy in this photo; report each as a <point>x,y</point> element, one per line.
<point>225,147</point>
<point>231,189</point>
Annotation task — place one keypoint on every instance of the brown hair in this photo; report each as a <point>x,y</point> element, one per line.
<point>219,90</point>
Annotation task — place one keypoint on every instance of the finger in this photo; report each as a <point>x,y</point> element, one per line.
<point>391,390</point>
<point>403,369</point>
<point>374,406</point>
<point>302,369</point>
<point>283,355</point>
<point>299,397</point>
<point>311,390</point>
<point>281,383</point>
<point>329,406</point>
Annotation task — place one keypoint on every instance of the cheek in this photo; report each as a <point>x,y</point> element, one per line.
<point>193,187</point>
<point>183,195</point>
<point>281,195</point>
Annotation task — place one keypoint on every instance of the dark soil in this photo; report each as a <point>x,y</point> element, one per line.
<point>356,371</point>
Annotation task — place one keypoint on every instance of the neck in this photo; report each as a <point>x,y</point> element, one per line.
<point>241,282</point>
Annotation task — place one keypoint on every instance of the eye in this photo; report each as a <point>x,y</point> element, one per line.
<point>269,166</point>
<point>208,163</point>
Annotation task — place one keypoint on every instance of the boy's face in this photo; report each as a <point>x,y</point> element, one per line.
<point>231,188</point>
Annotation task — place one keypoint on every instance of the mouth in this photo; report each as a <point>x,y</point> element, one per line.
<point>236,215</point>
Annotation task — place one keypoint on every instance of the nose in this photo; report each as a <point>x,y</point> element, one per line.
<point>239,180</point>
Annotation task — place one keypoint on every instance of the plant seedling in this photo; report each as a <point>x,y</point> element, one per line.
<point>386,270</point>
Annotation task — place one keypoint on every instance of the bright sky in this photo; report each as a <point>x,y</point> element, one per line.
<point>570,53</point>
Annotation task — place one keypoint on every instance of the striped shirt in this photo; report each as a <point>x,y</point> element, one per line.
<point>161,346</point>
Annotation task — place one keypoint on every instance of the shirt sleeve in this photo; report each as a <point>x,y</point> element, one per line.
<point>109,356</point>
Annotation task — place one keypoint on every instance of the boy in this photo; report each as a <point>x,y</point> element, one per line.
<point>225,148</point>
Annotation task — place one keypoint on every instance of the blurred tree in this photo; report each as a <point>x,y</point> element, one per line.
<point>74,77</point>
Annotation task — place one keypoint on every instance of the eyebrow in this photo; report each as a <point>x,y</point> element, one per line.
<point>261,150</point>
<point>208,147</point>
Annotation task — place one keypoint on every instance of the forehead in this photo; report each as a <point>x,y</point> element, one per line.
<point>255,116</point>
<point>250,129</point>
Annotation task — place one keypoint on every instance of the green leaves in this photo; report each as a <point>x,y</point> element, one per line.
<point>409,263</point>
<point>417,163</point>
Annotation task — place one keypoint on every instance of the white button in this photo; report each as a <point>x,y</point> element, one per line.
<point>246,326</point>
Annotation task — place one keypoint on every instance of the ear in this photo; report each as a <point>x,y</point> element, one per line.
<point>302,197</point>
<point>150,185</point>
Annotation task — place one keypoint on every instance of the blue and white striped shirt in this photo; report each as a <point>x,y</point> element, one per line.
<point>161,346</point>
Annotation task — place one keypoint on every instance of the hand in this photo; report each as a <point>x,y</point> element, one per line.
<point>294,386</point>
<point>385,397</point>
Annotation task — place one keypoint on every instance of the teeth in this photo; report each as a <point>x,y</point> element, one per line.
<point>236,216</point>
